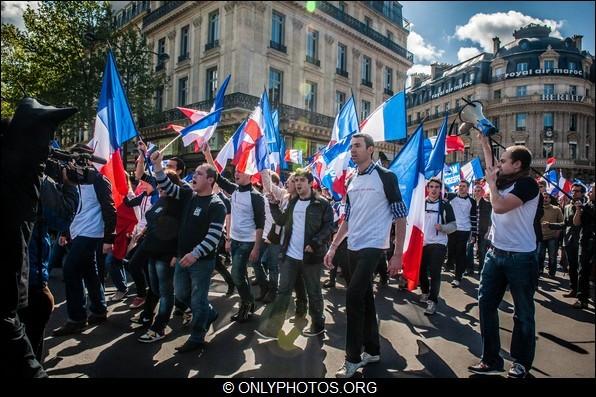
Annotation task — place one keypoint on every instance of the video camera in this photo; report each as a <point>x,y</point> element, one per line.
<point>75,162</point>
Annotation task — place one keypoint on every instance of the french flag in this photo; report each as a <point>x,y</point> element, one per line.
<point>409,167</point>
<point>294,156</point>
<point>193,115</point>
<point>229,150</point>
<point>253,156</point>
<point>388,121</point>
<point>549,163</point>
<point>564,183</point>
<point>346,122</point>
<point>114,125</point>
<point>472,170</point>
<point>202,129</point>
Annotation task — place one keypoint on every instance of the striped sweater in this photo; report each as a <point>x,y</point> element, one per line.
<point>202,220</point>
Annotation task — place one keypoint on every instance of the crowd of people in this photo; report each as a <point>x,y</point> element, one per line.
<point>171,236</point>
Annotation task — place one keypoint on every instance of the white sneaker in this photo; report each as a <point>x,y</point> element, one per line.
<point>347,370</point>
<point>455,283</point>
<point>151,336</point>
<point>369,358</point>
<point>431,308</point>
<point>424,298</point>
<point>118,296</point>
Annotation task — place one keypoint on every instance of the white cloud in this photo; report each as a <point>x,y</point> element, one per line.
<point>422,50</point>
<point>12,11</point>
<point>481,28</point>
<point>465,53</point>
<point>418,68</point>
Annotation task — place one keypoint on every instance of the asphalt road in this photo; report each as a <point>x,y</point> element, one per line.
<point>412,344</point>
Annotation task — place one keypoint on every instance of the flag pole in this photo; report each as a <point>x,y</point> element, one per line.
<point>169,143</point>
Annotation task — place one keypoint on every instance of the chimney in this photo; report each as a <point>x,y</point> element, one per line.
<point>577,40</point>
<point>496,45</point>
<point>416,80</point>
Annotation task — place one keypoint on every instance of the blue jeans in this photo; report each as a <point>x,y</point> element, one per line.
<point>290,270</point>
<point>116,269</point>
<point>267,270</point>
<point>161,277</point>
<point>191,286</point>
<point>552,246</point>
<point>520,272</point>
<point>81,266</point>
<point>240,253</point>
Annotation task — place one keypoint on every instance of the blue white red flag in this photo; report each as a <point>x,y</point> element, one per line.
<point>346,122</point>
<point>388,121</point>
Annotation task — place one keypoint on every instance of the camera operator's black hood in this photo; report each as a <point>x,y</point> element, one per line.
<point>30,112</point>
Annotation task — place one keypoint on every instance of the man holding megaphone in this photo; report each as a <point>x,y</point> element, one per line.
<point>511,262</point>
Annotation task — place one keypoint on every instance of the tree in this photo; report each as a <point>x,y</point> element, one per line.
<point>54,62</point>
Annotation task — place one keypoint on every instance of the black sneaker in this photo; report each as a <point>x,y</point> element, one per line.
<point>570,294</point>
<point>314,331</point>
<point>243,314</point>
<point>517,371</point>
<point>484,369</point>
<point>95,319</point>
<point>211,321</point>
<point>189,346</point>
<point>69,328</point>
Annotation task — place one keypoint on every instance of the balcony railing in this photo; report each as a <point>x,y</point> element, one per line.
<point>355,24</point>
<point>183,57</point>
<point>341,72</point>
<point>278,46</point>
<point>388,91</point>
<point>211,45</point>
<point>312,60</point>
<point>366,83</point>
<point>243,101</point>
<point>162,11</point>
<point>394,17</point>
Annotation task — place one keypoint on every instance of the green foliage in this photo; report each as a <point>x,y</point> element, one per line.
<point>52,61</point>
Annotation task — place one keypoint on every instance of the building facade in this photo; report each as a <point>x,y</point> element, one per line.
<point>537,90</point>
<point>310,61</point>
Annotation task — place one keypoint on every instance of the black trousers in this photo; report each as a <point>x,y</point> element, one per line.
<point>586,259</point>
<point>221,269</point>
<point>362,328</point>
<point>36,316</point>
<point>433,256</point>
<point>16,349</point>
<point>340,261</point>
<point>572,251</point>
<point>456,251</point>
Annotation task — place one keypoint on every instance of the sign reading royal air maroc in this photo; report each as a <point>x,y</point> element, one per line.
<point>544,72</point>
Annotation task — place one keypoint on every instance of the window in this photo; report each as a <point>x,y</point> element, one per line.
<point>161,49</point>
<point>573,122</point>
<point>340,99</point>
<point>366,110</point>
<point>211,83</point>
<point>366,71</point>
<point>182,90</point>
<point>548,121</point>
<point>457,104</point>
<point>183,43</point>
<point>312,47</point>
<point>342,6</point>
<point>496,152</point>
<point>547,149</point>
<point>466,153</point>
<point>497,94</point>
<point>342,54</point>
<point>521,90</point>
<point>213,32</point>
<point>549,64</point>
<point>390,35</point>
<point>276,78</point>
<point>520,121</point>
<point>572,66</point>
<point>159,99</point>
<point>368,22</point>
<point>310,99</point>
<point>446,107</point>
<point>587,152</point>
<point>522,67</point>
<point>573,150</point>
<point>549,89</point>
<point>389,81</point>
<point>471,78</point>
<point>277,28</point>
<point>573,89</point>
<point>409,119</point>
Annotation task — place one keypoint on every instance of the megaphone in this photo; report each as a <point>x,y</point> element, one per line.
<point>471,116</point>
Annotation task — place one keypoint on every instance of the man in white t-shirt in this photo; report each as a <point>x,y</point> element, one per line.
<point>511,261</point>
<point>308,225</point>
<point>373,205</point>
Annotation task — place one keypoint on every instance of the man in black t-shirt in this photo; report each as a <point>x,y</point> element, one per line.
<point>201,226</point>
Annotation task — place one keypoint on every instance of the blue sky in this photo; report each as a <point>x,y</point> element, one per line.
<point>452,31</point>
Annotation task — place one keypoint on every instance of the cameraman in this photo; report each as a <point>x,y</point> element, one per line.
<point>93,225</point>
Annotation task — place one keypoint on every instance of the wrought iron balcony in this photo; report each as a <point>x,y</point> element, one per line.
<point>388,91</point>
<point>278,46</point>
<point>341,72</point>
<point>211,45</point>
<point>162,11</point>
<point>183,57</point>
<point>360,27</point>
<point>367,83</point>
<point>312,60</point>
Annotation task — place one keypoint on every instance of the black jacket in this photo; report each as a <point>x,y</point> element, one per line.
<point>317,229</point>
